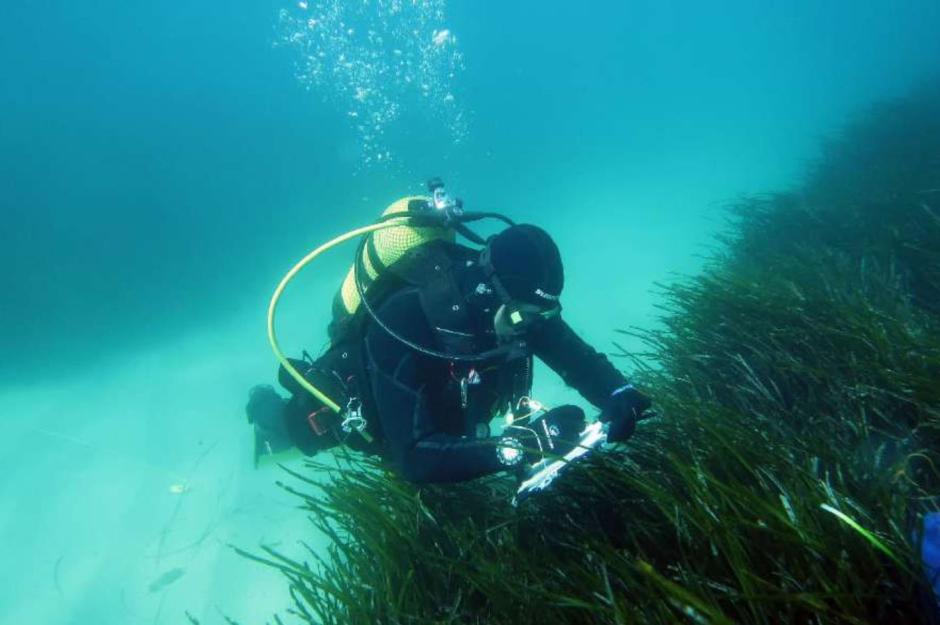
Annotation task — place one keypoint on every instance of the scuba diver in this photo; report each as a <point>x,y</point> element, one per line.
<point>431,340</point>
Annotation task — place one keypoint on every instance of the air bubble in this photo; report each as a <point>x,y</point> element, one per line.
<point>408,58</point>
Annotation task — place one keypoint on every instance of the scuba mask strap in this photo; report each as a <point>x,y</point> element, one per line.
<point>512,305</point>
<point>486,264</point>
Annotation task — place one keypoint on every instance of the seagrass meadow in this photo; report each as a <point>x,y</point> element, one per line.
<point>797,380</point>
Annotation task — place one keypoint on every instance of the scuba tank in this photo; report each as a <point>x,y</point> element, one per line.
<point>382,249</point>
<point>404,228</point>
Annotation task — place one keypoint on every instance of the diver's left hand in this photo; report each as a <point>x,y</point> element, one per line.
<point>565,423</point>
<point>550,435</point>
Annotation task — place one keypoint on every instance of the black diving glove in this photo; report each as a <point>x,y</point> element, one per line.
<point>624,408</point>
<point>553,434</point>
<point>564,425</point>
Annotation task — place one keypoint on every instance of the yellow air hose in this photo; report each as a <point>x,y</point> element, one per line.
<point>272,307</point>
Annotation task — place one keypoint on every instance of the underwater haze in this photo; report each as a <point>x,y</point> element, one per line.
<point>163,164</point>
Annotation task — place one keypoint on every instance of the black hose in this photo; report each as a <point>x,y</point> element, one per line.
<point>360,250</point>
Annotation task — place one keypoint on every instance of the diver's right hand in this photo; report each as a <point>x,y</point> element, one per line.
<point>625,407</point>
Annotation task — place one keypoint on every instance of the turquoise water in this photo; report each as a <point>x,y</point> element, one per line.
<point>162,165</point>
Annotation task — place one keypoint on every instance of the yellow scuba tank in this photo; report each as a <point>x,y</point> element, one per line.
<point>382,249</point>
<point>402,227</point>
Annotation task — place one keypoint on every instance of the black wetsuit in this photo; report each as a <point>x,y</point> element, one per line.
<point>430,428</point>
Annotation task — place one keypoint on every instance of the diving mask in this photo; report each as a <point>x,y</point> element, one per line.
<point>515,319</point>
